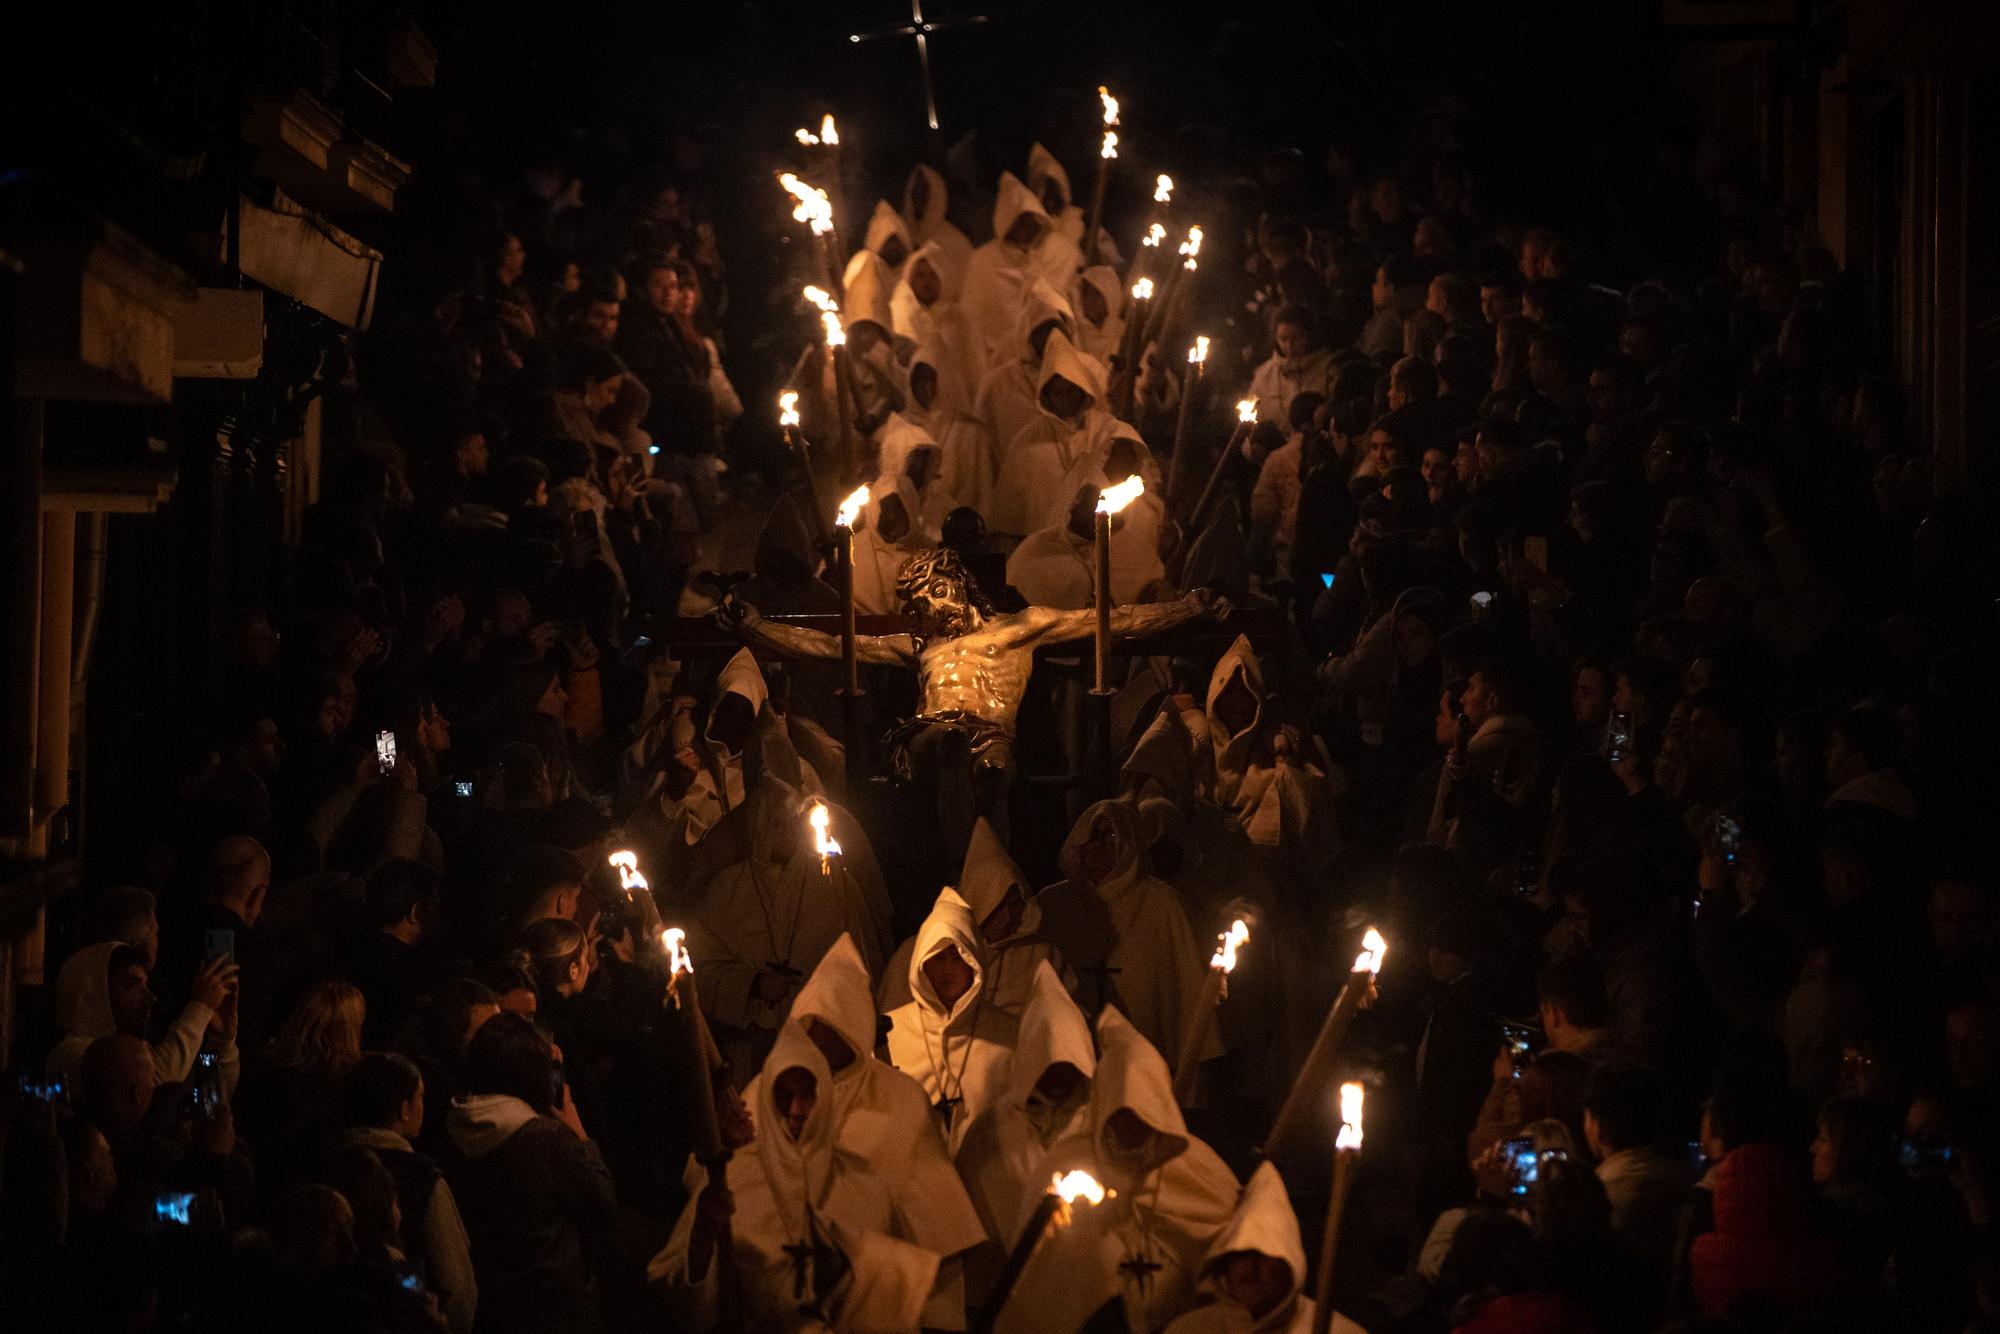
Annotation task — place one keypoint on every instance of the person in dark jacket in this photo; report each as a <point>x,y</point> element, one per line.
<point>533,1190</point>
<point>680,415</point>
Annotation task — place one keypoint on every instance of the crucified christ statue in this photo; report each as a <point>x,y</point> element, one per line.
<point>972,667</point>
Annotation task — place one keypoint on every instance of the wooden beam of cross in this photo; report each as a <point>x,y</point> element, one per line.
<point>920,28</point>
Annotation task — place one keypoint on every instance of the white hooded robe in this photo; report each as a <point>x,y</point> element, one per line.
<point>959,1054</point>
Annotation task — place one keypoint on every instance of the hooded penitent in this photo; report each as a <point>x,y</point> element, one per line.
<point>883,225</point>
<point>999,273</point>
<point>929,225</point>
<point>874,371</point>
<point>908,452</point>
<point>1124,932</point>
<point>1007,401</point>
<point>1145,1243</point>
<point>947,418</point>
<point>1062,254</point>
<point>1033,463</point>
<point>1100,339</point>
<point>879,555</point>
<point>758,902</point>
<point>792,1192</point>
<point>1264,1224</point>
<point>1282,804</point>
<point>885,1119</point>
<point>718,788</point>
<point>943,320</point>
<point>1003,1152</point>
<point>958,1052</point>
<point>986,881</point>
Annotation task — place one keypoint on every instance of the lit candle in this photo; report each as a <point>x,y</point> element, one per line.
<point>1055,1206</point>
<point>1347,1147</point>
<point>1289,1139</point>
<point>1246,420</point>
<point>1214,989</point>
<point>1106,153</point>
<point>1110,501</point>
<point>843,533</point>
<point>1197,359</point>
<point>824,843</point>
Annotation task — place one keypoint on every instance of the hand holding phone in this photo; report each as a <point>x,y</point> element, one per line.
<point>1617,736</point>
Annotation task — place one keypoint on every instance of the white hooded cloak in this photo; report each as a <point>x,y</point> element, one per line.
<point>1266,1224</point>
<point>1034,462</point>
<point>877,561</point>
<point>1127,936</point>
<point>998,275</point>
<point>958,1053</point>
<point>1145,1244</point>
<point>930,226</point>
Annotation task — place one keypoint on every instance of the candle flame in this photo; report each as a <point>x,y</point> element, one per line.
<point>1076,1185</point>
<point>1349,1137</point>
<point>813,205</point>
<point>1199,352</point>
<point>819,817</point>
<point>671,938</point>
<point>1110,105</point>
<point>1113,499</point>
<point>627,864</point>
<point>1154,235</point>
<point>1227,944</point>
<point>820,297</point>
<point>1163,189</point>
<point>1142,290</point>
<point>1246,410</point>
<point>1373,947</point>
<point>848,516</point>
<point>835,335</point>
<point>806,137</point>
<point>829,134</point>
<point>1110,149</point>
<point>788,408</point>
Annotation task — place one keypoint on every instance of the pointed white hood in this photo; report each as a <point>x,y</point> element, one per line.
<point>1122,819</point>
<point>1053,1032</point>
<point>1043,168</point>
<point>948,928</point>
<point>797,1170</point>
<point>839,995</point>
<point>1013,200</point>
<point>1265,1223</point>
<point>867,285</point>
<point>1060,357</point>
<point>1231,753</point>
<point>924,225</point>
<point>884,223</point>
<point>740,676</point>
<point>1132,1076</point>
<point>988,873</point>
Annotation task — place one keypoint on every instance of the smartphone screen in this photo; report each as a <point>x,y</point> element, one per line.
<point>219,943</point>
<point>556,1082</point>
<point>1520,1046</point>
<point>1728,834</point>
<point>173,1206</point>
<point>385,752</point>
<point>1617,737</point>
<point>43,1086</point>
<point>1523,1164</point>
<point>463,787</point>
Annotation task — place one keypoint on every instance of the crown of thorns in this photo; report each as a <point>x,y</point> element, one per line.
<point>933,563</point>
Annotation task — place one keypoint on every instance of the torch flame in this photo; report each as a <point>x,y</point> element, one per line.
<point>818,817</point>
<point>1112,499</point>
<point>835,335</point>
<point>829,134</point>
<point>806,137</point>
<point>671,938</point>
<point>1349,1137</point>
<point>1228,943</point>
<point>1110,105</point>
<point>1373,947</point>
<point>1110,149</point>
<point>820,297</point>
<point>1199,352</point>
<point>1163,189</point>
<point>849,515</point>
<point>1246,411</point>
<point>788,408</point>
<point>627,864</point>
<point>813,205</point>
<point>1154,235</point>
<point>1142,290</point>
<point>1076,1185</point>
<point>1191,247</point>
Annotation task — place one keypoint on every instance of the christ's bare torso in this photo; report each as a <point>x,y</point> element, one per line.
<point>975,673</point>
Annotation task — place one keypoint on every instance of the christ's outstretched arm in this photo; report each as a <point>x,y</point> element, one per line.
<point>1040,625</point>
<point>795,641</point>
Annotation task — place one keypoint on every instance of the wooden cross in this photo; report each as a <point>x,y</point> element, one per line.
<point>920,28</point>
<point>801,1253</point>
<point>1142,1270</point>
<point>944,1107</point>
<point>1102,972</point>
